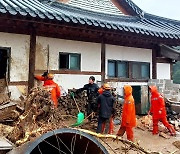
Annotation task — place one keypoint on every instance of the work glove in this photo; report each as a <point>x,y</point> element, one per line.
<point>45,74</point>
<point>72,94</point>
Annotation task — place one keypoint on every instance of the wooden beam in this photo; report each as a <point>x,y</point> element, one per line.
<point>125,80</point>
<point>103,61</point>
<point>66,71</point>
<point>171,71</point>
<point>18,83</point>
<point>163,60</point>
<point>154,63</point>
<point>32,57</point>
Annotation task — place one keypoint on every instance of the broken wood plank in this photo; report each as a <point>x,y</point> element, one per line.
<point>162,134</point>
<point>8,111</point>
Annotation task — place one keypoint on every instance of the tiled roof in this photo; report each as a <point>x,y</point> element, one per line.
<point>144,24</point>
<point>100,6</point>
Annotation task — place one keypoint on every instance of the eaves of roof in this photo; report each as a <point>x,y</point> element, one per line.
<point>139,24</point>
<point>169,52</point>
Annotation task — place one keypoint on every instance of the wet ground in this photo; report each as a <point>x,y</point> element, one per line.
<point>149,142</point>
<point>145,139</point>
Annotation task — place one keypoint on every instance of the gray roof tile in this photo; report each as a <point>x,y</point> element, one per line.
<point>101,6</point>
<point>145,25</point>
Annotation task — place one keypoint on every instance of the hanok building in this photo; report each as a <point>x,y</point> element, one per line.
<point>113,40</point>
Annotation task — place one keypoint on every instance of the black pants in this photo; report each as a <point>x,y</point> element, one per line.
<point>101,121</point>
<point>89,108</point>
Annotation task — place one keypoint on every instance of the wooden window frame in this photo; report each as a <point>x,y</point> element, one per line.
<point>116,68</point>
<point>129,71</point>
<point>139,65</point>
<point>68,61</point>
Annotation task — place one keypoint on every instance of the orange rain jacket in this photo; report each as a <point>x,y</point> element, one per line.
<point>52,87</point>
<point>128,113</point>
<point>157,109</point>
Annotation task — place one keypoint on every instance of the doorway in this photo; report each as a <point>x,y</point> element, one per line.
<point>4,63</point>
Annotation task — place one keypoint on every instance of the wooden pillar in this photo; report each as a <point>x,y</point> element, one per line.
<point>32,57</point>
<point>171,71</point>
<point>154,63</point>
<point>103,61</point>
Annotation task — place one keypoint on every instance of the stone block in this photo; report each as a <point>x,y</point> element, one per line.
<point>161,90</point>
<point>160,85</point>
<point>166,92</point>
<point>176,86</point>
<point>174,93</point>
<point>176,89</point>
<point>153,80</point>
<point>168,96</point>
<point>168,81</point>
<point>151,84</point>
<point>161,81</point>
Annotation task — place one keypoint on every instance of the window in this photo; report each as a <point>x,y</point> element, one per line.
<point>111,68</point>
<point>117,69</point>
<point>140,70</point>
<point>121,69</point>
<point>69,61</point>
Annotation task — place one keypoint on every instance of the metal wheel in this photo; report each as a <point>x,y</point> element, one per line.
<point>64,141</point>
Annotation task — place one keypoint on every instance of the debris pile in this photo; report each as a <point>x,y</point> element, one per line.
<point>67,104</point>
<point>173,113</point>
<point>145,123</point>
<point>38,117</point>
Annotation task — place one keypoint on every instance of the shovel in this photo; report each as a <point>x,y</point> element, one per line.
<point>80,116</point>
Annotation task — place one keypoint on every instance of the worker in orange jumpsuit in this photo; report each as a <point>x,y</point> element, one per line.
<point>158,111</point>
<point>51,86</point>
<point>111,124</point>
<point>128,114</point>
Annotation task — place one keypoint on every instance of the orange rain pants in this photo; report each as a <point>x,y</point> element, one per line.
<point>128,114</point>
<point>158,111</point>
<point>111,126</point>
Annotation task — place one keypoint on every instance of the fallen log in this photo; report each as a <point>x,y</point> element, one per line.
<point>114,137</point>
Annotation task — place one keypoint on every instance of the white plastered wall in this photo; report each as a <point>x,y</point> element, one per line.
<point>19,45</point>
<point>19,59</point>
<point>127,54</point>
<point>163,71</point>
<point>90,59</point>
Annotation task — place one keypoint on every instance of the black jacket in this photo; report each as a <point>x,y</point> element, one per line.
<point>92,90</point>
<point>106,102</point>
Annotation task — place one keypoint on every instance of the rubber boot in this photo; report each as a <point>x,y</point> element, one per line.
<point>172,130</point>
<point>121,131</point>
